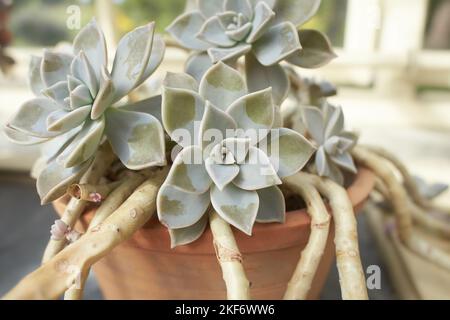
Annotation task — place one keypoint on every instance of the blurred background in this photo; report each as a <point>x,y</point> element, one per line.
<point>392,74</point>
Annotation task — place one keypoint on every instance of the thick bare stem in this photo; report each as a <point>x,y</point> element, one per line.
<point>58,274</point>
<point>300,283</point>
<point>75,207</point>
<point>91,192</point>
<point>230,259</point>
<point>402,209</point>
<point>351,274</point>
<point>114,201</point>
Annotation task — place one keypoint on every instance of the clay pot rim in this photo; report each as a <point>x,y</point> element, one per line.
<point>154,236</point>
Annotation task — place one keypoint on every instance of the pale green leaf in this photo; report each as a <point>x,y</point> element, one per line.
<point>263,16</point>
<point>254,111</point>
<point>277,43</point>
<point>180,81</point>
<point>260,77</point>
<point>55,67</point>
<point>221,174</point>
<point>179,209</point>
<point>34,76</point>
<point>188,171</point>
<point>240,33</point>
<point>31,118</point>
<point>131,60</point>
<point>105,96</point>
<point>156,58</point>
<point>236,206</point>
<point>316,50</point>
<point>83,71</point>
<point>345,161</point>
<point>222,85</point>
<point>80,97</point>
<point>321,162</point>
<point>151,106</point>
<point>21,138</point>
<point>213,32</point>
<point>272,206</point>
<point>185,28</point>
<point>314,123</point>
<point>62,120</point>
<point>197,64</point>
<point>214,126</point>
<point>238,148</point>
<point>228,54</point>
<point>257,172</point>
<point>92,42</point>
<point>58,92</point>
<point>182,110</point>
<point>184,236</point>
<point>136,138</point>
<point>288,151</point>
<point>84,146</point>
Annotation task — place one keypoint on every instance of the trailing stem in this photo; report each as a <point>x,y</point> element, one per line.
<point>402,209</point>
<point>351,274</point>
<point>75,207</point>
<point>408,180</point>
<point>114,201</point>
<point>91,192</point>
<point>429,222</point>
<point>230,259</point>
<point>419,216</point>
<point>58,274</point>
<point>301,281</point>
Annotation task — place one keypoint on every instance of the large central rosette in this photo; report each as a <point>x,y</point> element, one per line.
<point>233,155</point>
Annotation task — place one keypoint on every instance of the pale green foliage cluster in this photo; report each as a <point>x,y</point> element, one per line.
<point>326,126</point>
<point>76,107</point>
<point>81,103</point>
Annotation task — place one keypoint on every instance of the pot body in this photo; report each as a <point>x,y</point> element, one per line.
<point>144,267</point>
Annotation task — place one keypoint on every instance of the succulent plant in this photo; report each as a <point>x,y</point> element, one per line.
<point>233,154</point>
<point>429,191</point>
<point>77,106</point>
<point>326,126</point>
<point>304,92</point>
<point>265,31</point>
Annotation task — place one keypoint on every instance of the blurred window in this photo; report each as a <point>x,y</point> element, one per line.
<point>41,23</point>
<point>437,35</point>
<point>331,20</point>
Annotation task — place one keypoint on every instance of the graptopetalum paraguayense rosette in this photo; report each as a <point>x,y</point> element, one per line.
<point>228,159</point>
<point>265,31</point>
<point>304,92</point>
<point>326,127</point>
<point>76,106</point>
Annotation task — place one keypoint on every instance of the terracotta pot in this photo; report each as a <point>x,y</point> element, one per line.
<point>145,267</point>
